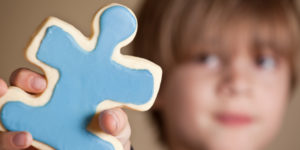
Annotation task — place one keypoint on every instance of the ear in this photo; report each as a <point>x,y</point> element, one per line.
<point>117,25</point>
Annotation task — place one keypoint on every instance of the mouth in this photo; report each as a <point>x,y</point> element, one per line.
<point>233,119</point>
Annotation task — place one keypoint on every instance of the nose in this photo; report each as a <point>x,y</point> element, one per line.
<point>235,79</point>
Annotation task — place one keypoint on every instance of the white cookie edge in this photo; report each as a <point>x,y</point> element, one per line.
<point>52,75</point>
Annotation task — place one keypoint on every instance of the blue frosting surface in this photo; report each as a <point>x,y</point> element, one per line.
<point>86,79</point>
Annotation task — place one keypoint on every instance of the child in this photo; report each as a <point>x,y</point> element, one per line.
<point>229,71</point>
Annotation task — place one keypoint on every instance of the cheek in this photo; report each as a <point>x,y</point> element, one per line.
<point>271,97</point>
<point>272,100</point>
<point>190,98</point>
<point>273,93</point>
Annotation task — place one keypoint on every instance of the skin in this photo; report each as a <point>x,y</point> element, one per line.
<point>240,81</point>
<point>113,121</point>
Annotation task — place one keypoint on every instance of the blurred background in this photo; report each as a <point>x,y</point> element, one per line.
<point>19,20</point>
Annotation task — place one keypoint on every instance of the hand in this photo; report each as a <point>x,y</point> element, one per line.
<point>113,121</point>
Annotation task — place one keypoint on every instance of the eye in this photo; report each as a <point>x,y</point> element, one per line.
<point>266,62</point>
<point>209,60</point>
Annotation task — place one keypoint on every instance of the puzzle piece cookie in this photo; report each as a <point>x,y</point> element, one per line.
<point>85,76</point>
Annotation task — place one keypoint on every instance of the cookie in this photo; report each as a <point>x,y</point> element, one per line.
<point>85,75</point>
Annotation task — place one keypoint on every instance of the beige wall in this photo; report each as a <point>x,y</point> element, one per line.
<point>19,20</point>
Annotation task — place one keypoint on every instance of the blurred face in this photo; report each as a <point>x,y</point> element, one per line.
<point>230,99</point>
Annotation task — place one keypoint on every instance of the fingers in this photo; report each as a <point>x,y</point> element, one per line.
<point>28,80</point>
<point>115,122</point>
<point>3,87</point>
<point>15,140</point>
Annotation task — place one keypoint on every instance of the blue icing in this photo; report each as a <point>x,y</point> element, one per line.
<point>86,79</point>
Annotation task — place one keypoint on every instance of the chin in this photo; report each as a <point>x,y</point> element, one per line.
<point>231,139</point>
<point>232,144</point>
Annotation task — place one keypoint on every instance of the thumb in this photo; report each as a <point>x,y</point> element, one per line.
<point>115,122</point>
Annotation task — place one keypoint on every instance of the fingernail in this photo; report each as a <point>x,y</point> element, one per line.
<point>115,122</point>
<point>20,139</point>
<point>38,83</point>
